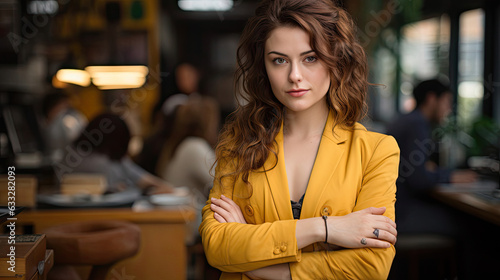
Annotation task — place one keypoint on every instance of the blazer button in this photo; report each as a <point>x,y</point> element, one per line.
<point>277,251</point>
<point>283,248</point>
<point>326,211</point>
<point>249,210</point>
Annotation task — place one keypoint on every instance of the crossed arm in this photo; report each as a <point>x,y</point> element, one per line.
<point>345,231</point>
<point>233,246</point>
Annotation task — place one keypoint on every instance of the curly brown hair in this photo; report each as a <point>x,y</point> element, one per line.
<point>247,139</point>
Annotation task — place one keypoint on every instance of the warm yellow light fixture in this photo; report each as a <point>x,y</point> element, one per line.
<point>73,76</point>
<point>118,77</point>
<point>205,5</point>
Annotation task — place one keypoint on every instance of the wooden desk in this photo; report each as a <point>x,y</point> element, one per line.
<point>162,254</point>
<point>469,202</point>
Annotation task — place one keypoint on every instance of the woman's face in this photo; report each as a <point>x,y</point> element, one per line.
<point>299,80</point>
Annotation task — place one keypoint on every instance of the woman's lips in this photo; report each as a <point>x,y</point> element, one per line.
<point>297,92</point>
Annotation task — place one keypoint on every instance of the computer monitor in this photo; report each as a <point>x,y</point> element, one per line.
<point>20,130</point>
<point>23,132</point>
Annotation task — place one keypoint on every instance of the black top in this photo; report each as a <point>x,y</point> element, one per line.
<point>297,207</point>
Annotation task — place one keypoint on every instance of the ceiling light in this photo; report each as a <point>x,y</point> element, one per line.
<point>205,5</point>
<point>118,77</point>
<point>74,76</point>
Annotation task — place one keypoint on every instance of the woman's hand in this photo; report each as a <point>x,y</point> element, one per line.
<point>226,210</point>
<point>357,229</point>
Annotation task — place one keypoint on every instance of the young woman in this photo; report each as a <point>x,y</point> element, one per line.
<point>301,190</point>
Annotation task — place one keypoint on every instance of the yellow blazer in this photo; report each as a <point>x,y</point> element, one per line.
<point>354,169</point>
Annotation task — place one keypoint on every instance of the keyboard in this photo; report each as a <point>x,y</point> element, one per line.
<point>490,196</point>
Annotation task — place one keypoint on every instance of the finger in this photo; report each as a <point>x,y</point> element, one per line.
<point>383,235</point>
<point>225,205</point>
<point>237,209</point>
<point>231,203</point>
<point>374,210</point>
<point>385,226</point>
<point>388,229</point>
<point>222,212</point>
<point>375,243</point>
<point>232,209</point>
<point>387,236</point>
<point>219,218</point>
<point>236,206</point>
<point>385,220</point>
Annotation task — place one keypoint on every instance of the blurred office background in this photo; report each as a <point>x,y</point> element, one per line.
<point>406,41</point>
<point>54,46</point>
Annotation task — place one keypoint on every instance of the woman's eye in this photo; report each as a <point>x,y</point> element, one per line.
<point>279,60</point>
<point>311,59</point>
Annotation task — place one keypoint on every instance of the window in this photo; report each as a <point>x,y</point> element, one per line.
<point>424,55</point>
<point>470,67</point>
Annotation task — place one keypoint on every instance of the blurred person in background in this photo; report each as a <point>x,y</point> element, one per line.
<point>416,211</point>
<point>103,146</point>
<point>187,155</point>
<point>123,102</point>
<point>184,82</point>
<point>151,149</point>
<point>63,123</point>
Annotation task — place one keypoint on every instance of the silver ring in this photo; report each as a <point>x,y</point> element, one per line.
<point>363,241</point>
<point>376,232</point>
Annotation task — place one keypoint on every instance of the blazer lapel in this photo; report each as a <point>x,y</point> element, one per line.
<point>277,180</point>
<point>329,155</point>
<point>330,152</point>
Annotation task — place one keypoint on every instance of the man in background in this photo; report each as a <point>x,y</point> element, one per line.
<point>416,211</point>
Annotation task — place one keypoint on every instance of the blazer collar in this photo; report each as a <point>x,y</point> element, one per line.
<point>329,154</point>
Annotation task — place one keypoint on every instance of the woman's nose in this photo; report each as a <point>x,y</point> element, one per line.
<point>295,75</point>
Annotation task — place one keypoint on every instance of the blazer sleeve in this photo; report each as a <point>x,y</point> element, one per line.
<point>235,247</point>
<point>378,189</point>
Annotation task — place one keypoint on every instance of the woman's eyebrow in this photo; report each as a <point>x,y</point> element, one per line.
<point>282,54</point>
